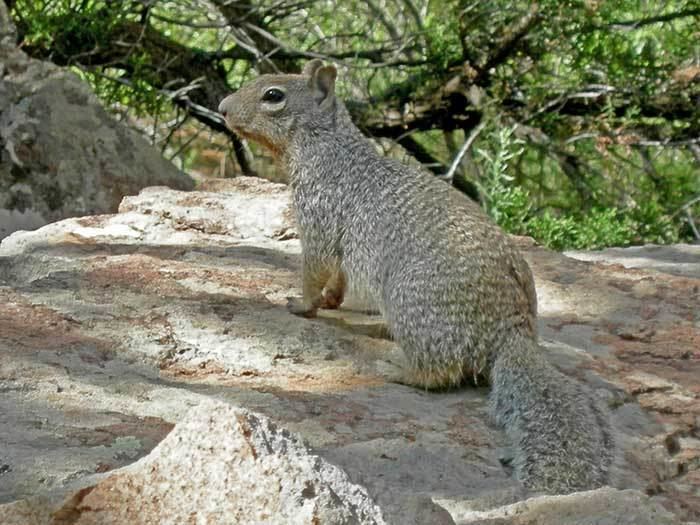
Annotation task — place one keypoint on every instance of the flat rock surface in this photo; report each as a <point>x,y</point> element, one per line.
<point>681,259</point>
<point>114,327</point>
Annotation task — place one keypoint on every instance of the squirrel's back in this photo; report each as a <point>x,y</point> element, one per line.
<point>410,243</point>
<point>456,294</point>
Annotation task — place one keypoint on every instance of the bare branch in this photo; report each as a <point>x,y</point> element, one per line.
<point>463,151</point>
<point>634,24</point>
<point>690,220</point>
<point>381,15</point>
<point>417,17</point>
<point>511,38</point>
<point>189,23</point>
<point>217,123</point>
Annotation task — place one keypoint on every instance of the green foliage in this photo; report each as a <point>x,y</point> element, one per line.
<point>506,203</point>
<point>596,229</point>
<point>137,95</point>
<point>603,227</point>
<point>61,27</point>
<point>511,206</point>
<point>442,38</point>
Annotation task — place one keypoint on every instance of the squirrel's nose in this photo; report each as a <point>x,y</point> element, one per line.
<point>222,107</point>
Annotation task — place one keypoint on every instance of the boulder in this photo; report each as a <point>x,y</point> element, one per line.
<point>61,154</point>
<point>219,465</point>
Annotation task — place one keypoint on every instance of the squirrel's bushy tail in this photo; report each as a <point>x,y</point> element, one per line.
<point>559,430</point>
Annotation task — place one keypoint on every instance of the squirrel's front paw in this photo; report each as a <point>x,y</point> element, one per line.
<point>331,301</point>
<point>297,306</point>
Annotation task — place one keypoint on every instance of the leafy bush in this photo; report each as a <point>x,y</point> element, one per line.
<point>510,205</point>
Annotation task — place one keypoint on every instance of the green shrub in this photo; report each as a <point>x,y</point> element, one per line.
<point>510,206</point>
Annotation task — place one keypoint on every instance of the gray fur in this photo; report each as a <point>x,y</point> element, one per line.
<point>456,294</point>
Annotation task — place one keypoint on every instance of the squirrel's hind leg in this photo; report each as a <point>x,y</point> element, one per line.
<point>435,378</point>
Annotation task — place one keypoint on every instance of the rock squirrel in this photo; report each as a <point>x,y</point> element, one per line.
<point>456,294</point>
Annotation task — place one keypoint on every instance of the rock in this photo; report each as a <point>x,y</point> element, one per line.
<point>113,327</point>
<point>27,512</point>
<point>604,506</point>
<point>8,32</point>
<point>222,465</point>
<point>679,259</point>
<point>61,154</point>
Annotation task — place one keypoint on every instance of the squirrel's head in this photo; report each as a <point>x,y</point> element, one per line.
<point>272,108</point>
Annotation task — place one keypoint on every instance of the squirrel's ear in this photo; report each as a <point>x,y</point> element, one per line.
<point>323,84</point>
<point>311,66</point>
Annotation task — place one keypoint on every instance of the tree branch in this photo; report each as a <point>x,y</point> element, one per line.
<point>217,123</point>
<point>463,151</point>
<point>508,44</point>
<point>634,24</point>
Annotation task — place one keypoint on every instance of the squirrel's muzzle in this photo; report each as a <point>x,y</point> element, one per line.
<point>230,110</point>
<point>224,106</point>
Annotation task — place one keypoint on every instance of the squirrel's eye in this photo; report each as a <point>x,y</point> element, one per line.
<point>273,95</point>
